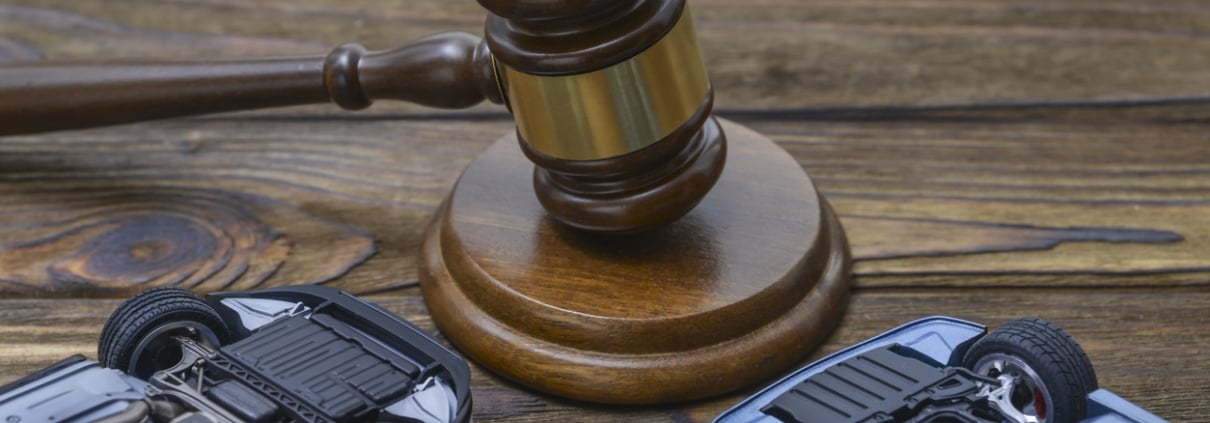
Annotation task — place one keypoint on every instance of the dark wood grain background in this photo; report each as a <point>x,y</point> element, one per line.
<point>989,159</point>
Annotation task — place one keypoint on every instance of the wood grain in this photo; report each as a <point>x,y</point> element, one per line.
<point>116,242</point>
<point>989,159</point>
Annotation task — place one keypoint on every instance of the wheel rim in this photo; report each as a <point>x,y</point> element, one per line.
<point>1031,396</point>
<point>157,351</point>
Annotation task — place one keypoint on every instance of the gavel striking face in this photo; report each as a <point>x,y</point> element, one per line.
<point>611,98</point>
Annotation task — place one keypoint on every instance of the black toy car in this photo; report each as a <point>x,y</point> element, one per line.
<point>942,369</point>
<point>289,354</point>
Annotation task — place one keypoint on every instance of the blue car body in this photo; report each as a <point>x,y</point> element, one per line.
<point>944,340</point>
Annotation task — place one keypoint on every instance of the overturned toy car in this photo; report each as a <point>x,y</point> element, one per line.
<point>942,369</point>
<point>289,354</point>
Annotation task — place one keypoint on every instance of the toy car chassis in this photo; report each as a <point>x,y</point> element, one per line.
<point>942,369</point>
<point>288,354</point>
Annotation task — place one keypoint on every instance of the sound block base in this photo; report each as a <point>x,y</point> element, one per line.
<point>737,291</point>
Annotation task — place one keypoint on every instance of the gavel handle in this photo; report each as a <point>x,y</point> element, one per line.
<point>449,70</point>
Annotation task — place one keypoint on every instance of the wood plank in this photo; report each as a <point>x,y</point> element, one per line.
<point>258,197</point>
<point>1120,200</point>
<point>1163,369</point>
<point>223,205</point>
<point>761,54</point>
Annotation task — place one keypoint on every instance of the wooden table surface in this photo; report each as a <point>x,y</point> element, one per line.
<point>989,159</point>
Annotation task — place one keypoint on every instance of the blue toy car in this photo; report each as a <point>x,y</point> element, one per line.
<point>288,354</point>
<point>942,369</point>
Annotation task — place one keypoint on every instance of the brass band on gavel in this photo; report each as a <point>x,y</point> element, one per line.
<point>614,110</point>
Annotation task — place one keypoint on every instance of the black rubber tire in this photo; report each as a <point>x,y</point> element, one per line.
<point>1052,354</point>
<point>144,313</point>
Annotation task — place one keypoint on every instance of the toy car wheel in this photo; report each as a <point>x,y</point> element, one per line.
<point>1053,374</point>
<point>137,338</point>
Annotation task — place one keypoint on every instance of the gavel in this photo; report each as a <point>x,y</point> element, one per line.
<point>687,256</point>
<point>611,98</point>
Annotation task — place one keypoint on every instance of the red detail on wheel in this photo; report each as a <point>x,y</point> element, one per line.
<point>1039,404</point>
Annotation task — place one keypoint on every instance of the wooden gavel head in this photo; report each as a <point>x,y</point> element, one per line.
<point>612,104</point>
<point>611,98</point>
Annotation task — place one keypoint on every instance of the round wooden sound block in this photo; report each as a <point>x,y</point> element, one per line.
<point>740,289</point>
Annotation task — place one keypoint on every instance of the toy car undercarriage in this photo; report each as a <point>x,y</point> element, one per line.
<point>889,384</point>
<point>297,354</point>
<point>247,381</point>
<point>942,369</point>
